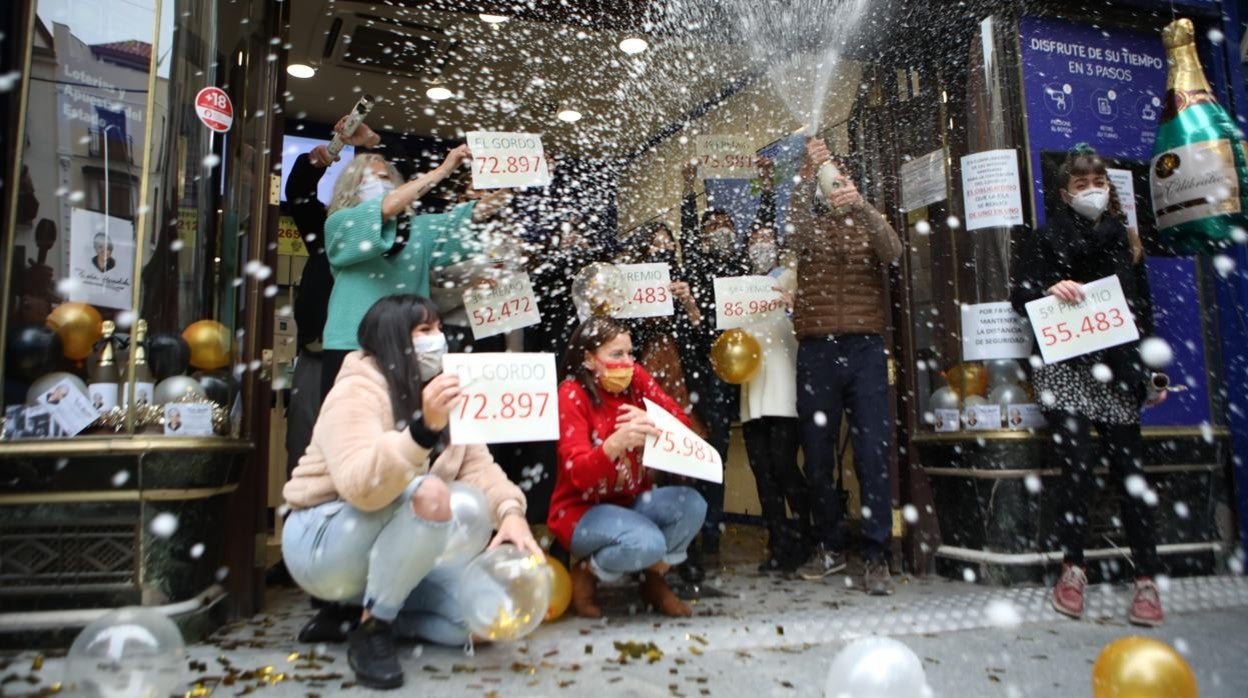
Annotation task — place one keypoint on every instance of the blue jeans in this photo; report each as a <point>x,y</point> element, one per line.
<point>658,528</point>
<point>849,373</point>
<point>382,560</point>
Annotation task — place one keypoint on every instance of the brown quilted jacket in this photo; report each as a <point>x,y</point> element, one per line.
<point>840,272</point>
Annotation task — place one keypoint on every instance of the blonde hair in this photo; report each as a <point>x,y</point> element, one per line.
<point>347,188</point>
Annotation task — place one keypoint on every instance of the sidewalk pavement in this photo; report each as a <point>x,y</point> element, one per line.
<point>752,636</point>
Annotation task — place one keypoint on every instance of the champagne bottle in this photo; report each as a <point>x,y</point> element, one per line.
<point>104,374</point>
<point>1199,172</point>
<point>144,384</point>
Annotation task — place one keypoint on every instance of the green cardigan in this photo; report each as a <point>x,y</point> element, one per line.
<point>356,241</point>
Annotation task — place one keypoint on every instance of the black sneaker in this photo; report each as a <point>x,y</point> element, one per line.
<point>331,624</point>
<point>822,563</point>
<point>692,571</point>
<point>370,652</point>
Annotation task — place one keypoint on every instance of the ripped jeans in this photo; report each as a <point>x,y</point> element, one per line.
<point>383,560</point>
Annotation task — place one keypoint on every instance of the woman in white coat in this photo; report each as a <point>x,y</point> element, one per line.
<point>769,419</point>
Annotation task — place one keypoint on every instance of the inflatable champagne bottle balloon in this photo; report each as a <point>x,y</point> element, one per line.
<point>1199,172</point>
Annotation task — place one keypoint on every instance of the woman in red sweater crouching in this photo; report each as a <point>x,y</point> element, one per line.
<point>605,509</point>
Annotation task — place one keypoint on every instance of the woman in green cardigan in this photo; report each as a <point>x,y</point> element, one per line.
<point>377,247</point>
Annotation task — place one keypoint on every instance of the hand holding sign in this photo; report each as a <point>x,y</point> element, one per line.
<point>647,288</point>
<point>503,398</point>
<point>1080,320</point>
<point>676,449</point>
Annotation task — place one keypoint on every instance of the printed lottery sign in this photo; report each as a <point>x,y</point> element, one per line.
<point>510,305</point>
<point>502,160</point>
<point>725,157</point>
<point>678,450</point>
<point>214,108</point>
<point>506,398</point>
<point>647,290</point>
<point>1100,321</point>
<point>741,300</point>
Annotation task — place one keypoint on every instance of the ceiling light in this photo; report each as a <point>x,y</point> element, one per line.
<point>438,93</point>
<point>634,45</point>
<point>569,115</point>
<point>301,71</point>
<point>493,19</point>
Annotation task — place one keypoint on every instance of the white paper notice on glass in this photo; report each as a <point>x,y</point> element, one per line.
<point>511,304</point>
<point>991,193</point>
<point>982,417</point>
<point>1124,182</point>
<point>923,180</point>
<point>725,157</point>
<point>946,420</point>
<point>1066,330</point>
<point>507,398</point>
<point>188,419</point>
<point>71,409</point>
<point>743,300</point>
<point>678,450</point>
<point>994,331</point>
<point>503,159</point>
<point>101,259</point>
<point>1025,416</point>
<point>646,290</point>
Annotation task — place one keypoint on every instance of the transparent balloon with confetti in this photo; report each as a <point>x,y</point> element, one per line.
<point>131,652</point>
<point>504,594</point>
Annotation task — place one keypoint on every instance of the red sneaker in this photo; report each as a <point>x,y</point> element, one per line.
<point>1067,595</point>
<point>1146,604</point>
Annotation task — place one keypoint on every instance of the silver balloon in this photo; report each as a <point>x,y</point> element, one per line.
<point>876,667</point>
<point>505,593</point>
<point>130,652</point>
<point>1008,394</point>
<point>598,289</point>
<point>174,387</point>
<point>471,525</point>
<point>1003,371</point>
<point>945,398</point>
<point>45,383</point>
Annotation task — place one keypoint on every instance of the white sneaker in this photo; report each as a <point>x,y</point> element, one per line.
<point>822,564</point>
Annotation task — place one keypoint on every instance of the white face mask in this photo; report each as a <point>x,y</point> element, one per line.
<point>1090,203</point>
<point>429,348</point>
<point>373,188</point>
<point>720,240</point>
<point>763,256</point>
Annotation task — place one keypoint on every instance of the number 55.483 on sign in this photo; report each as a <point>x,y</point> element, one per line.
<point>1066,330</point>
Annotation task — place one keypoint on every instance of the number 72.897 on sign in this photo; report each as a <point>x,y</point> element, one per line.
<point>507,406</point>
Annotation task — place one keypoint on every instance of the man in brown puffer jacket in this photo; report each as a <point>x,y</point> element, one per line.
<point>843,246</point>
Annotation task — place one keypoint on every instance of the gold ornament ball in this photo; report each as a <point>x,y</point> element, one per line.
<point>968,379</point>
<point>79,326</point>
<point>1141,667</point>
<point>560,590</point>
<point>736,356</point>
<point>209,341</point>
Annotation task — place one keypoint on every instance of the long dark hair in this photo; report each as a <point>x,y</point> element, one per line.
<point>588,337</point>
<point>386,335</point>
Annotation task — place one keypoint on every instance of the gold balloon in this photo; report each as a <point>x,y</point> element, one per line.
<point>210,344</point>
<point>79,326</point>
<point>736,356</point>
<point>560,590</point>
<point>968,379</point>
<point>1141,667</point>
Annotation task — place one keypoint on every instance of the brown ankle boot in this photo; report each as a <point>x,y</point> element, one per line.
<point>655,592</point>
<point>584,591</point>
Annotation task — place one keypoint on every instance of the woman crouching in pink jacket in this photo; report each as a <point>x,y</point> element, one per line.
<point>370,507</point>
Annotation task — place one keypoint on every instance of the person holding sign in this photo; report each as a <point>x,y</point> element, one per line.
<point>376,247</point>
<point>369,504</point>
<point>769,418</point>
<point>605,510</point>
<point>841,312</point>
<point>1086,240</point>
<point>711,248</point>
